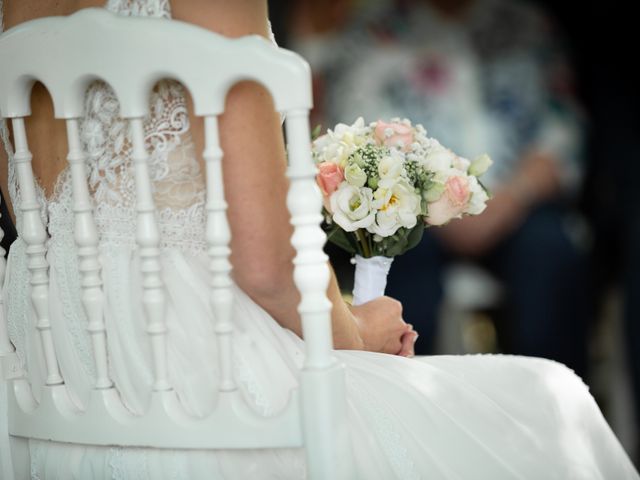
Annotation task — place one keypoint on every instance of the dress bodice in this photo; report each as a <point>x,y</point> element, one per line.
<point>175,172</point>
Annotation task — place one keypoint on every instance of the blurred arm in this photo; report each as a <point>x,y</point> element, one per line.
<point>549,166</point>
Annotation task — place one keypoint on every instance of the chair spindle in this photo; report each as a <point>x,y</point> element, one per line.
<point>218,238</point>
<point>86,238</point>
<point>35,237</point>
<point>311,273</point>
<point>148,240</point>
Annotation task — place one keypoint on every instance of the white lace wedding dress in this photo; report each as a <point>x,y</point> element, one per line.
<point>445,417</point>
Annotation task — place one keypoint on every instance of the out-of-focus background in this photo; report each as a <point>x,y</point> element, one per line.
<point>549,90</point>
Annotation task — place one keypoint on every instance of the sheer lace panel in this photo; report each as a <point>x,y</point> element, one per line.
<point>176,175</point>
<point>140,8</point>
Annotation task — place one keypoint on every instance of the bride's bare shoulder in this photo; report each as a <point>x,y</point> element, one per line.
<point>19,11</point>
<point>41,123</point>
<point>232,19</point>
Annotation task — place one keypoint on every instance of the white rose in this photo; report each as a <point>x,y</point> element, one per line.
<point>478,200</point>
<point>382,195</point>
<point>358,124</point>
<point>386,224</point>
<point>340,129</point>
<point>480,165</point>
<point>348,133</point>
<point>461,163</point>
<point>438,159</point>
<point>398,206</point>
<point>355,175</point>
<point>337,153</point>
<point>322,142</point>
<point>391,166</point>
<point>352,207</point>
<point>442,176</point>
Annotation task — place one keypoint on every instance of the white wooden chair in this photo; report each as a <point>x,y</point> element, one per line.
<point>124,53</point>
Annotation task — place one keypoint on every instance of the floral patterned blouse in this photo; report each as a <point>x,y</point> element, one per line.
<point>492,79</point>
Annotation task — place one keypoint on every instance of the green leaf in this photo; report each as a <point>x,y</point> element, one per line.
<point>315,133</point>
<point>398,244</point>
<point>404,240</point>
<point>344,240</point>
<point>415,235</point>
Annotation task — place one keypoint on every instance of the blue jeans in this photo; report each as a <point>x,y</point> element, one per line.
<point>546,283</point>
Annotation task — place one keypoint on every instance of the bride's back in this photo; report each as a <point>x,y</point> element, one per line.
<point>250,137</point>
<point>47,135</point>
<point>181,278</point>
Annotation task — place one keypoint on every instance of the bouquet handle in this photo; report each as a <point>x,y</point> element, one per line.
<point>370,278</point>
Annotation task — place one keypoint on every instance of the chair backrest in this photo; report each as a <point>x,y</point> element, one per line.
<point>66,54</point>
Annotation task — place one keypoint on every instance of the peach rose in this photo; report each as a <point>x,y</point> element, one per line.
<point>329,177</point>
<point>394,135</point>
<point>452,203</point>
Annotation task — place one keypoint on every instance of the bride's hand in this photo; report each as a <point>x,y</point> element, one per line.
<point>381,327</point>
<point>408,342</point>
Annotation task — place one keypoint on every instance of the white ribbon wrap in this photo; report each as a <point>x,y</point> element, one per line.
<point>370,278</point>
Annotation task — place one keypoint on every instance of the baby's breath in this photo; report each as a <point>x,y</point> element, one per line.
<point>367,157</point>
<point>417,175</point>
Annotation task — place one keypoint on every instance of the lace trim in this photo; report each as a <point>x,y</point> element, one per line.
<point>17,299</point>
<point>389,437</point>
<point>107,142</point>
<point>140,8</point>
<point>35,455</point>
<point>75,319</point>
<point>128,464</point>
<point>175,173</point>
<point>245,375</point>
<point>180,229</point>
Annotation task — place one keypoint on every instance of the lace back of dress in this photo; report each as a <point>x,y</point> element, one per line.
<point>174,170</point>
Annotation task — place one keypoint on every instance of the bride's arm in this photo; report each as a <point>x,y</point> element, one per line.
<point>256,187</point>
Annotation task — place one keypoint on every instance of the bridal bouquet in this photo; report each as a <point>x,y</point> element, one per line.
<point>383,183</point>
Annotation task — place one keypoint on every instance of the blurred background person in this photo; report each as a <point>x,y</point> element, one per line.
<point>482,76</point>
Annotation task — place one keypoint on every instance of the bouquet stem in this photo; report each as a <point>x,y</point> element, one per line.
<point>366,251</point>
<point>370,278</point>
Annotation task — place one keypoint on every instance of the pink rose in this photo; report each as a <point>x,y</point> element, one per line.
<point>451,204</point>
<point>394,135</point>
<point>329,177</point>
